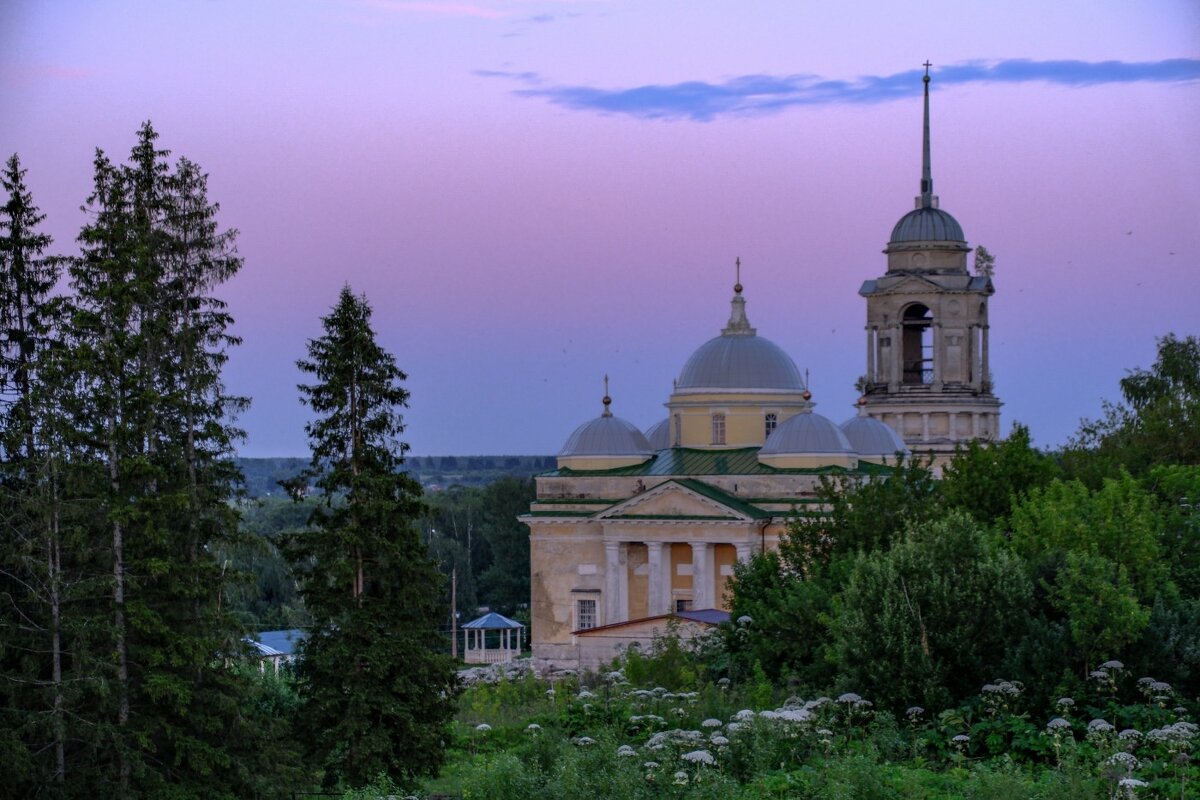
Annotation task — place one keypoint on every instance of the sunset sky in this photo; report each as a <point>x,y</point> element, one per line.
<point>534,194</point>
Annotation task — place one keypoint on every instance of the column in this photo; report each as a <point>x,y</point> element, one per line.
<point>938,350</point>
<point>744,551</point>
<point>654,589</point>
<point>612,583</point>
<point>702,578</point>
<point>983,357</point>
<point>870,354</point>
<point>953,426</point>
<point>897,375</point>
<point>925,426</point>
<point>623,583</point>
<point>974,426</point>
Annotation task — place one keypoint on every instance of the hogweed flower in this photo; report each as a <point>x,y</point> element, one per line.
<point>625,751</point>
<point>699,757</point>
<point>483,727</point>
<point>1058,725</point>
<point>711,723</point>
<point>681,778</point>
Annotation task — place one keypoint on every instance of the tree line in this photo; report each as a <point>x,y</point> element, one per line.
<point>123,669</point>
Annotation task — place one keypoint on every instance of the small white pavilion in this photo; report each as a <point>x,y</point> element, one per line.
<point>475,639</point>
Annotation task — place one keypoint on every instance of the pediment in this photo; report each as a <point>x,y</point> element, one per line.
<point>674,500</point>
<point>911,284</point>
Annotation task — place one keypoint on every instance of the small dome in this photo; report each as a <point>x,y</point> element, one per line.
<point>927,225</point>
<point>740,362</point>
<point>659,435</point>
<point>804,434</point>
<point>607,436</point>
<point>871,437</point>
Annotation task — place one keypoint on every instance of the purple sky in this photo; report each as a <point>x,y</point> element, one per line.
<point>534,194</point>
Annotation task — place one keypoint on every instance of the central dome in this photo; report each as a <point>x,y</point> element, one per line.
<point>740,361</point>
<point>927,225</point>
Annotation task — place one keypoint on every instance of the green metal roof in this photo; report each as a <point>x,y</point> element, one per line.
<point>724,498</point>
<point>685,461</point>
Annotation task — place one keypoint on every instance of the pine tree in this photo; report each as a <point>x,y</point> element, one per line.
<point>377,691</point>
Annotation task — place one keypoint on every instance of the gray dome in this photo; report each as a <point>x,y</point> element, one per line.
<point>659,435</point>
<point>607,436</point>
<point>806,433</point>
<point>871,437</point>
<point>927,225</point>
<point>740,362</point>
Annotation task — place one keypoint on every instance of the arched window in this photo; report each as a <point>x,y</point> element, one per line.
<point>917,352</point>
<point>678,430</point>
<point>718,429</point>
<point>771,422</point>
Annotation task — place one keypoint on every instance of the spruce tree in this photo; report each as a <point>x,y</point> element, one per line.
<point>32,692</point>
<point>377,689</point>
<point>153,449</point>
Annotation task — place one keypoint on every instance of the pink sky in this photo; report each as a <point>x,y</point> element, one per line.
<point>534,194</point>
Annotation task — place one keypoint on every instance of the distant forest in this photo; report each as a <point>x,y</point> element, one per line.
<point>434,472</point>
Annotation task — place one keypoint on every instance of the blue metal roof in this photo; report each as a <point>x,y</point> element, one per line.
<point>492,621</point>
<point>283,643</point>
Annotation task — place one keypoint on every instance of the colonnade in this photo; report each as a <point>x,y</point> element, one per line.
<point>659,576</point>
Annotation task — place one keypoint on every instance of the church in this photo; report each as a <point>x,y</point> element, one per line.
<point>637,529</point>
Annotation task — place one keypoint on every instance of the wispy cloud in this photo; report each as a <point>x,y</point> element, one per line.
<point>748,95</point>
<point>449,9</point>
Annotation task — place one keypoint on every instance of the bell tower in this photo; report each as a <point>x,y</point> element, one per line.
<point>927,331</point>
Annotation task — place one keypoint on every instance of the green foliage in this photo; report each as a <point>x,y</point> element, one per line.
<point>377,692</point>
<point>505,582</point>
<point>985,479</point>
<point>861,515</point>
<point>1157,423</point>
<point>930,619</point>
<point>1100,605</point>
<point>787,628</point>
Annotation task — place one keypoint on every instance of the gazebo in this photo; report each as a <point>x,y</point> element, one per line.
<point>475,649</point>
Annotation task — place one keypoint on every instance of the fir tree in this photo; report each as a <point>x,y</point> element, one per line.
<point>377,691</point>
<point>153,448</point>
<point>32,694</point>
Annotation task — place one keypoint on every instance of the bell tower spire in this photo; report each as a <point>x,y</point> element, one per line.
<point>926,200</point>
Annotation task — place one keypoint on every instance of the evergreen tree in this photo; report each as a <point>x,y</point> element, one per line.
<point>32,694</point>
<point>377,691</point>
<point>152,447</point>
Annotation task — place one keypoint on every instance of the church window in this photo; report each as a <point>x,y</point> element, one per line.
<point>917,345</point>
<point>771,422</point>
<point>585,614</point>
<point>682,605</point>
<point>718,429</point>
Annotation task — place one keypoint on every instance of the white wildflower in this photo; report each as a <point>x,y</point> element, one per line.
<point>532,727</point>
<point>650,765</point>
<point>1132,783</point>
<point>1114,665</point>
<point>711,723</point>
<point>681,778</point>
<point>1064,702</point>
<point>584,694</point>
<point>1129,735</point>
<point>699,757</point>
<point>1058,724</point>
<point>625,751</point>
<point>849,697</point>
<point>483,727</point>
<point>1100,726</point>
<point>824,732</point>
<point>744,715</point>
<point>769,714</point>
<point>733,727</point>
<point>914,711</point>
<point>1126,761</point>
<point>718,740</point>
<point>585,741</point>
<point>745,619</point>
<point>962,738</point>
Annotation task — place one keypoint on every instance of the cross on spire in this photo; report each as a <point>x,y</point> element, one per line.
<point>737,286</point>
<point>607,400</point>
<point>926,172</point>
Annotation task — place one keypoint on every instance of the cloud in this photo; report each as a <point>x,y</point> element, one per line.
<point>441,8</point>
<point>749,95</point>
